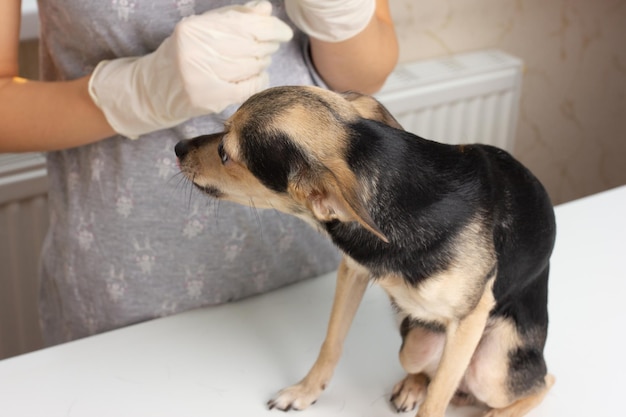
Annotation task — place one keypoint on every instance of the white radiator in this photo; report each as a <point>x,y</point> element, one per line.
<point>464,98</point>
<point>461,98</point>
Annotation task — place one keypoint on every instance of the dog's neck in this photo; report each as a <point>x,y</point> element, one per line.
<point>412,203</point>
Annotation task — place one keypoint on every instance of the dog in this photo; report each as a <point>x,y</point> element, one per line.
<point>459,237</point>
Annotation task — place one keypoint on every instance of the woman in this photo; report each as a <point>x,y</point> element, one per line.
<point>127,241</point>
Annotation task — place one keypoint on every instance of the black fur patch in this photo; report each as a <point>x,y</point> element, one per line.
<point>271,157</point>
<point>409,323</point>
<point>527,369</point>
<point>210,190</point>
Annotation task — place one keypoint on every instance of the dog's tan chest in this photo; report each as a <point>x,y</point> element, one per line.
<point>453,292</point>
<point>440,299</point>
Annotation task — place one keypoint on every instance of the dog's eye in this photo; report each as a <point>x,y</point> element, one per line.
<point>222,153</point>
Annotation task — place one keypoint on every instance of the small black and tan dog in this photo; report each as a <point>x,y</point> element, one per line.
<point>459,237</point>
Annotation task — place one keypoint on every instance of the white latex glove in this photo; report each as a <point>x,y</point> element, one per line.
<point>211,61</point>
<point>331,20</point>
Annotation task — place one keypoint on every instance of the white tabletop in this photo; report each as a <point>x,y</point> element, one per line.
<point>229,360</point>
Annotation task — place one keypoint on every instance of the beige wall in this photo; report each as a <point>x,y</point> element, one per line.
<point>572,127</point>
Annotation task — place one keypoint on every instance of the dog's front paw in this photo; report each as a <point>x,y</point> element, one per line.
<point>409,393</point>
<point>297,397</point>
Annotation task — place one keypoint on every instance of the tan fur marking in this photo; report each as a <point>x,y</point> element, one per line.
<point>369,108</point>
<point>305,126</point>
<point>461,341</point>
<point>334,194</point>
<point>523,406</point>
<point>487,374</point>
<point>451,294</point>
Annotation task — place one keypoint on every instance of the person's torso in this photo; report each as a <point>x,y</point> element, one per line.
<point>129,238</point>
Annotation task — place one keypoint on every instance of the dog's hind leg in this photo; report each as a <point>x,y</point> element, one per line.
<point>522,406</point>
<point>508,371</point>
<point>419,356</point>
<point>352,281</point>
<point>461,341</point>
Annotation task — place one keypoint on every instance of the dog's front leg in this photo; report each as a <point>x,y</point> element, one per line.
<point>352,281</point>
<point>462,338</point>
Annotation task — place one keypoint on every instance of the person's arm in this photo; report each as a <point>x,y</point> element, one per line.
<point>363,62</point>
<point>353,42</point>
<point>211,61</point>
<point>38,116</point>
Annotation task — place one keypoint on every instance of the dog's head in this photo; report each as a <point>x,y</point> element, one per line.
<point>288,148</point>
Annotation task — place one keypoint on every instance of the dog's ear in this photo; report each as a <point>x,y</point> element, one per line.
<point>330,197</point>
<point>370,108</point>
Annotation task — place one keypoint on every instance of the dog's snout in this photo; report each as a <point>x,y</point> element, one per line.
<point>182,149</point>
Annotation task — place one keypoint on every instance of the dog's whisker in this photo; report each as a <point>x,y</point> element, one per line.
<point>191,189</point>
<point>217,210</point>
<point>279,213</point>
<point>256,216</point>
<point>182,182</point>
<point>213,205</point>
<point>271,205</point>
<point>179,174</point>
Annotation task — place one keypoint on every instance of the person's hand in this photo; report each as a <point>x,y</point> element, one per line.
<point>211,61</point>
<point>330,20</point>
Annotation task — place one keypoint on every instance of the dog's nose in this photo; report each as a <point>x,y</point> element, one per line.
<point>182,149</point>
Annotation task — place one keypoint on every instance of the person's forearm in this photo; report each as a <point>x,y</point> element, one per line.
<point>42,116</point>
<point>361,63</point>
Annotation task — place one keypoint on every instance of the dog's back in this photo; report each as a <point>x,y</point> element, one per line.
<point>524,233</point>
<point>421,193</point>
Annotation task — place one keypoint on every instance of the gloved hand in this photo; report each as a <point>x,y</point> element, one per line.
<point>211,61</point>
<point>330,20</point>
